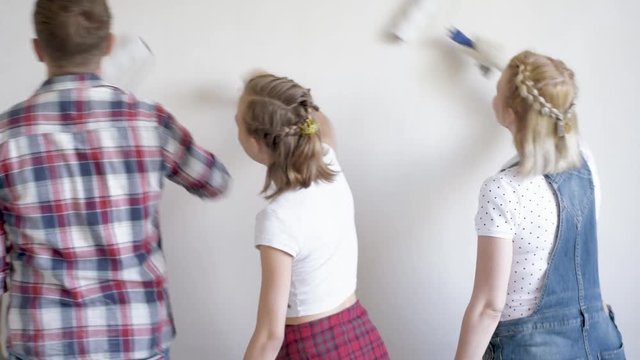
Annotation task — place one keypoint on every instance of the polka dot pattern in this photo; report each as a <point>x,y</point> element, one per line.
<point>525,211</point>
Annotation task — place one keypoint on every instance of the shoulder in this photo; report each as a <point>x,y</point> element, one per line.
<point>278,210</point>
<point>274,230</point>
<point>14,111</point>
<point>501,192</point>
<point>505,182</point>
<point>11,117</point>
<point>498,205</point>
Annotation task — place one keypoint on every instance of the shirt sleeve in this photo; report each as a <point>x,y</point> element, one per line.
<point>588,157</point>
<point>4,261</point>
<point>272,230</point>
<point>187,164</point>
<point>497,204</point>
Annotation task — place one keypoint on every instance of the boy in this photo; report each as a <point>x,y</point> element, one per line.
<point>81,171</point>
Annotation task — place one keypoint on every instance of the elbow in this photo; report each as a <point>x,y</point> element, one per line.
<point>492,311</point>
<point>275,338</point>
<point>270,340</point>
<point>493,308</point>
<point>264,345</point>
<point>488,308</point>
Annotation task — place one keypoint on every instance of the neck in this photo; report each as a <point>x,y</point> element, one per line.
<point>53,70</point>
<point>52,73</point>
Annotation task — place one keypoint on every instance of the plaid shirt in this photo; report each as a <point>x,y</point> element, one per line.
<point>82,165</point>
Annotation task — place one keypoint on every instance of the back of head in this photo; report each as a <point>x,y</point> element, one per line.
<point>541,91</point>
<point>72,33</point>
<point>278,112</point>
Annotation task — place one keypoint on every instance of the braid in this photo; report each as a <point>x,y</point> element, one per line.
<point>293,130</point>
<point>300,112</point>
<point>527,90</point>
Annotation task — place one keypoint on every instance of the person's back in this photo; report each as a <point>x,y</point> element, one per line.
<point>81,175</point>
<point>537,290</point>
<point>316,226</point>
<point>306,235</point>
<point>525,210</point>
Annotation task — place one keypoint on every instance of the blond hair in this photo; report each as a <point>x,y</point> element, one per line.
<point>276,112</point>
<point>541,92</point>
<point>72,33</point>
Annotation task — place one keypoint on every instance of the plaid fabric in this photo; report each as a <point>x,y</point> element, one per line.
<point>347,335</point>
<point>82,165</point>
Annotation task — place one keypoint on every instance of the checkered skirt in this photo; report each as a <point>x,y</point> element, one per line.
<point>349,335</point>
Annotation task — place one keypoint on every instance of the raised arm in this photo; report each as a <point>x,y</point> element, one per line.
<point>326,129</point>
<point>4,261</point>
<point>189,165</point>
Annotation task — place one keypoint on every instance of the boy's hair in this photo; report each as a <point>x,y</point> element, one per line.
<point>72,33</point>
<point>541,92</point>
<point>275,111</point>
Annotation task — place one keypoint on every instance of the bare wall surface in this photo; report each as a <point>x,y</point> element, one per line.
<point>416,138</point>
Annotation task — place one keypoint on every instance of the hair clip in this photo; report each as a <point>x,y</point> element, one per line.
<point>308,127</point>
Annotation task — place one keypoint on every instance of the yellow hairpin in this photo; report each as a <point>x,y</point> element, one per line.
<point>308,127</point>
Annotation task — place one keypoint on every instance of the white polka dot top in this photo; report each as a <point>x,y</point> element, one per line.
<point>525,211</point>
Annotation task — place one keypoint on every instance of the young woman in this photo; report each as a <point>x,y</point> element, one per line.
<point>536,292</point>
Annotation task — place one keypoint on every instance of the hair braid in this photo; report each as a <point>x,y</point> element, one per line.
<point>528,91</point>
<point>541,91</point>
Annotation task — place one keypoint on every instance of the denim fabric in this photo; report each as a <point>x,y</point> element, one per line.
<point>570,322</point>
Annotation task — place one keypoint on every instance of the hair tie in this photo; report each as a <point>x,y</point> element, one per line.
<point>308,127</point>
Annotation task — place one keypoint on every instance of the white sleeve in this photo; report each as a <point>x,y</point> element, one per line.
<point>330,158</point>
<point>588,157</point>
<point>272,231</point>
<point>497,209</point>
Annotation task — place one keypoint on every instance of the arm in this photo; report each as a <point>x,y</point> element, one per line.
<point>493,268</point>
<point>189,165</point>
<point>4,261</point>
<point>326,129</point>
<point>272,311</point>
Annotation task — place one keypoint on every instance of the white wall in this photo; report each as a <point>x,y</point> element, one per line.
<point>416,138</point>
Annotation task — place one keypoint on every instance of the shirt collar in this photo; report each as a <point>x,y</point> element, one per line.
<point>73,81</point>
<point>511,163</point>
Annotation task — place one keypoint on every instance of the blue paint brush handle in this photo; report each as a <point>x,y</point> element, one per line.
<point>460,38</point>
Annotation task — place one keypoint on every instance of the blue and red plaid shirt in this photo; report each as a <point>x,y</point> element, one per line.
<point>82,165</point>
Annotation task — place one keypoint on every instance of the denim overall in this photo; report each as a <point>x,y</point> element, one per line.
<point>570,321</point>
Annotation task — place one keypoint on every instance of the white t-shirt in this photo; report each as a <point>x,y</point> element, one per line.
<point>524,210</point>
<point>316,226</point>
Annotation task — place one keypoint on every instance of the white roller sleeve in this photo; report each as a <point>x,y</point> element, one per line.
<point>413,18</point>
<point>129,63</point>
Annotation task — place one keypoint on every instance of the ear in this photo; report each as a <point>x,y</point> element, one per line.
<point>37,48</point>
<point>261,152</point>
<point>111,40</point>
<point>510,119</point>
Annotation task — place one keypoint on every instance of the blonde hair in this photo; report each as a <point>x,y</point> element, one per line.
<point>541,92</point>
<point>72,33</point>
<point>276,112</point>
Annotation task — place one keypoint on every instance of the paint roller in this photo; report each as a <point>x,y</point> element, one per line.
<point>416,13</point>
<point>488,54</point>
<point>412,19</point>
<point>130,62</point>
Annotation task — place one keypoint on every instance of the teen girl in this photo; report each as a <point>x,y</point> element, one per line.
<point>306,234</point>
<point>537,293</point>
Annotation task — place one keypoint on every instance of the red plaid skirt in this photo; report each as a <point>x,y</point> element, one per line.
<point>349,334</point>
